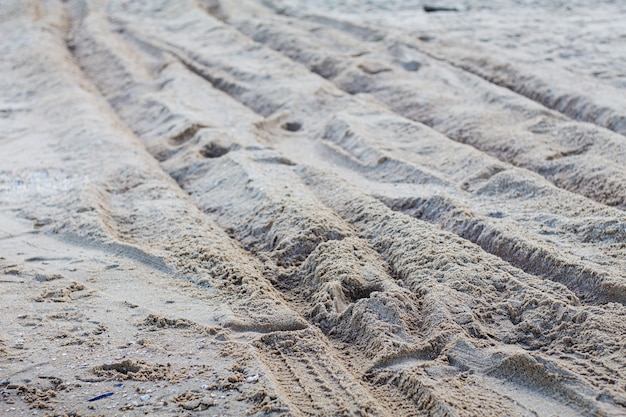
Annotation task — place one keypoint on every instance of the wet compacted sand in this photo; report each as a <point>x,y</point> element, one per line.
<point>293,208</point>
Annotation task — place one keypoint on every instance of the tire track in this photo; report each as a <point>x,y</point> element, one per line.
<point>288,355</point>
<point>118,205</point>
<point>499,232</point>
<point>520,263</point>
<point>319,254</point>
<point>586,103</point>
<point>574,156</point>
<point>322,278</point>
<point>395,237</point>
<point>556,267</point>
<point>559,266</point>
<point>228,211</point>
<point>578,97</point>
<point>116,209</point>
<point>314,398</point>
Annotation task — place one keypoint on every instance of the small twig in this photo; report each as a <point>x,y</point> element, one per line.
<point>431,9</point>
<point>99,397</point>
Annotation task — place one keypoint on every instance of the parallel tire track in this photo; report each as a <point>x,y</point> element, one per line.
<point>412,307</point>
<point>575,156</point>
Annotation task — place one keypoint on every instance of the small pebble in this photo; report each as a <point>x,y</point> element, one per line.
<point>145,397</point>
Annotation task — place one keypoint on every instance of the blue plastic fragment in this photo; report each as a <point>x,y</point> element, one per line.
<point>99,397</point>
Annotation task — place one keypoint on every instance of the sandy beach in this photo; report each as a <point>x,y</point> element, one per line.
<point>312,208</point>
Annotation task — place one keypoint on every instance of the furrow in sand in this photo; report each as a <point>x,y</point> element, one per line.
<point>322,393</point>
<point>575,96</point>
<point>421,307</point>
<point>531,216</point>
<point>123,200</point>
<point>575,156</point>
<point>573,92</point>
<point>126,198</point>
<point>273,215</point>
<point>511,232</point>
<point>432,276</point>
<point>517,231</point>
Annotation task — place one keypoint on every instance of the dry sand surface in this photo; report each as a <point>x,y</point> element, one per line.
<point>312,208</point>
